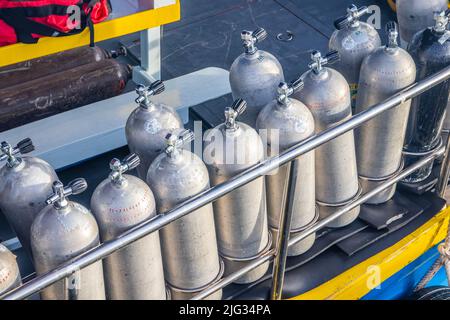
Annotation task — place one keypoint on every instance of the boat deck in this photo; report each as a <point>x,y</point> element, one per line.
<point>209,35</point>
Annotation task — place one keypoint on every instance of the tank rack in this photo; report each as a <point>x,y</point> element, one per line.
<point>279,254</point>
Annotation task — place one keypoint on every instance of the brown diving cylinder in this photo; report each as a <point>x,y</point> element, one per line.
<point>40,98</point>
<point>21,72</point>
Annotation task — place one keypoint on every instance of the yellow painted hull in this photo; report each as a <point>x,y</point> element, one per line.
<point>356,282</point>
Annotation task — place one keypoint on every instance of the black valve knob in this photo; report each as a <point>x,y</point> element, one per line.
<point>132,161</point>
<point>297,85</point>
<point>239,106</point>
<point>157,87</point>
<point>25,146</point>
<point>260,34</point>
<point>332,57</point>
<point>341,23</point>
<point>186,136</point>
<point>77,186</point>
<point>121,51</point>
<point>352,16</point>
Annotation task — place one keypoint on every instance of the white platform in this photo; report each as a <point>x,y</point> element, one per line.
<point>85,132</point>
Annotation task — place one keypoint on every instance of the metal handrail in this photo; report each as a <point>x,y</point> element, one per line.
<point>210,195</point>
<point>269,256</point>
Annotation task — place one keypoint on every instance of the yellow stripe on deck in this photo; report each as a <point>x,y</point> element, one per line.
<point>358,281</point>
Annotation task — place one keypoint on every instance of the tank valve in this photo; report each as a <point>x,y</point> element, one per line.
<point>251,38</point>
<point>231,113</point>
<point>319,61</point>
<point>442,20</point>
<point>145,92</point>
<point>60,193</point>
<point>392,31</point>
<point>8,152</point>
<point>121,51</point>
<point>352,18</point>
<point>120,167</point>
<point>285,90</point>
<point>174,142</point>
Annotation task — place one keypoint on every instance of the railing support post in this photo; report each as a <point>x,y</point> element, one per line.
<point>282,244</point>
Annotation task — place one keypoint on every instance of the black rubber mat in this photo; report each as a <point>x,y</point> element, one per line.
<point>326,238</point>
<point>334,261</point>
<point>402,211</point>
<point>385,215</point>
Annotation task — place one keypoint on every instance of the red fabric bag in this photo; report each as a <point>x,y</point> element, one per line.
<point>28,20</point>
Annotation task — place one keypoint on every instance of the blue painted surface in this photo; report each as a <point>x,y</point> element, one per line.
<point>401,284</point>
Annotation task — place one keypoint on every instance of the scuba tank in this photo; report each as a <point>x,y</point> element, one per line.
<point>431,52</point>
<point>379,142</point>
<point>120,203</point>
<point>240,216</point>
<point>189,245</point>
<point>40,98</point>
<point>255,74</point>
<point>148,126</point>
<point>62,231</point>
<point>416,15</point>
<point>25,183</point>
<point>40,67</point>
<point>9,271</point>
<point>326,93</point>
<point>292,122</point>
<point>354,40</point>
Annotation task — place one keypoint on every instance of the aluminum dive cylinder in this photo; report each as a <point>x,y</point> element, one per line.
<point>40,98</point>
<point>148,126</point>
<point>416,15</point>
<point>9,271</point>
<point>189,245</point>
<point>240,216</point>
<point>326,93</point>
<point>41,67</point>
<point>255,75</point>
<point>288,122</point>
<point>25,183</point>
<point>379,142</point>
<point>431,52</point>
<point>62,231</point>
<point>354,40</point>
<point>120,203</point>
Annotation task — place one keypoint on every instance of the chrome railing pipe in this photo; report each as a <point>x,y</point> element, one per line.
<point>322,223</point>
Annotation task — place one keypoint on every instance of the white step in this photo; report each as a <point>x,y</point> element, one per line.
<point>83,133</point>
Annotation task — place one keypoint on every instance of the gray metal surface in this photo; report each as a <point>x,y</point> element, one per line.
<point>240,216</point>
<point>255,74</point>
<point>189,245</point>
<point>148,125</point>
<point>120,203</point>
<point>287,122</point>
<point>379,142</point>
<point>354,40</point>
<point>9,271</point>
<point>61,231</point>
<point>25,183</point>
<point>415,15</point>
<point>327,95</point>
